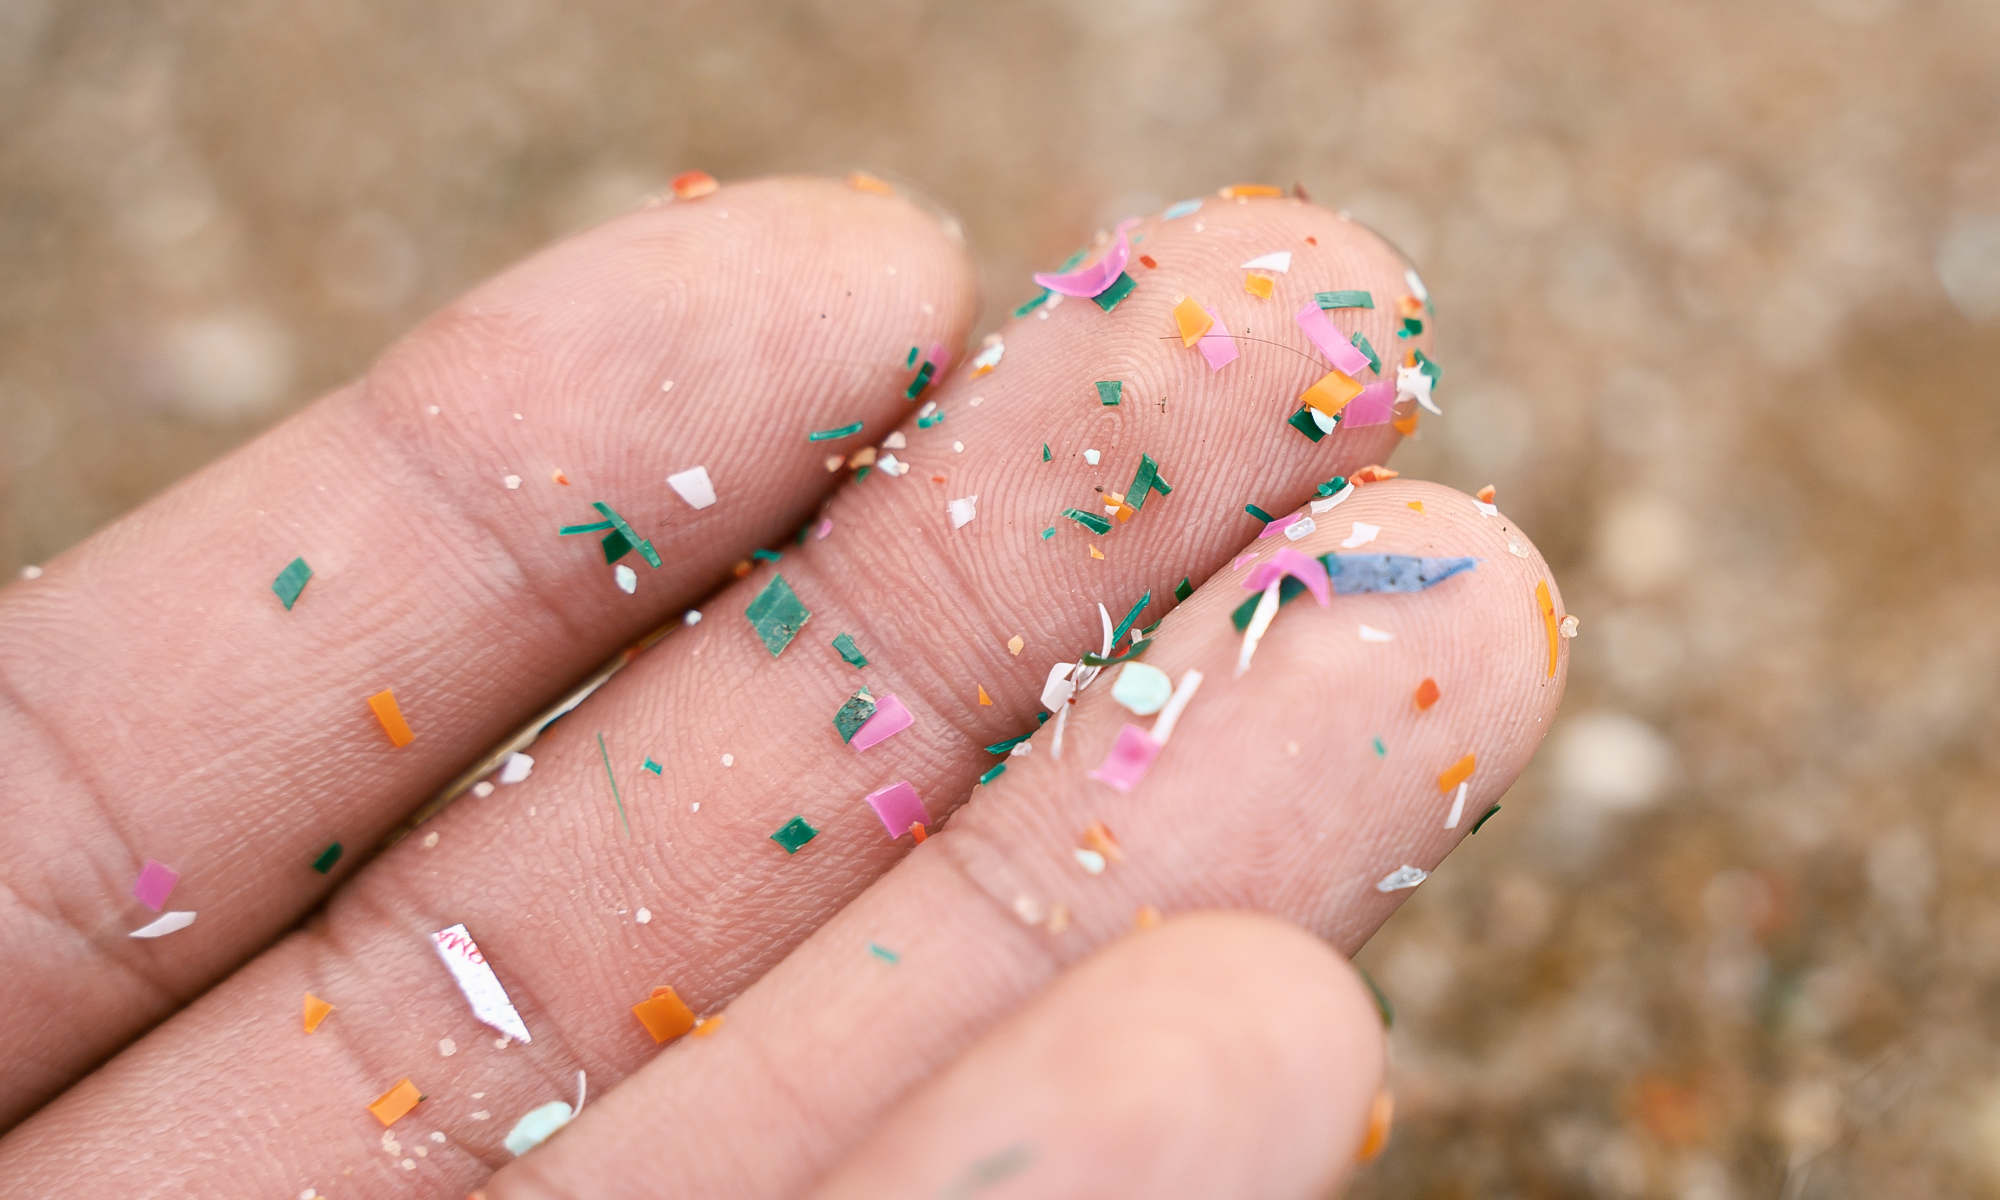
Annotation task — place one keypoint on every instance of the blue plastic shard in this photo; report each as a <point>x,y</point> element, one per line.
<point>1355,573</point>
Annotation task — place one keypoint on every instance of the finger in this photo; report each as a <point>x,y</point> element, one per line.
<point>549,875</point>
<point>169,707</point>
<point>1219,1055</point>
<point>1270,795</point>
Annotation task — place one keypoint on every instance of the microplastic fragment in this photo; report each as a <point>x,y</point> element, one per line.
<point>1089,860</point>
<point>693,486</point>
<point>1321,333</point>
<point>884,953</point>
<point>1400,878</point>
<point>992,773</point>
<point>1259,623</point>
<point>1344,299</point>
<point>1303,527</point>
<point>985,700</point>
<point>1371,634</point>
<point>164,924</point>
<point>1142,688</point>
<point>1090,521</point>
<point>625,531</point>
<point>1362,534</point>
<point>327,858</point>
<point>899,807</point>
<point>1331,392</point>
<point>1110,391</point>
<point>664,1014</point>
<point>777,615</point>
<point>650,765</point>
<point>1120,288</point>
<point>1250,191</point>
<point>910,359</point>
<point>1359,341</point>
<point>1278,525</point>
<point>691,185</point>
<point>989,356</point>
<point>537,1125</point>
<point>1277,260</point>
<point>291,581</point>
<point>1125,764</point>
<point>1548,606</point>
<point>1456,774</point>
<point>1259,513</point>
<point>1184,588</point>
<point>1302,420</point>
<point>1030,305</point>
<point>604,753</point>
<point>313,1010</point>
<point>475,978</point>
<point>1089,281</point>
<point>1414,383</point>
<point>517,767</point>
<point>849,651</point>
<point>395,1104</point>
<point>794,834</point>
<point>1046,456</point>
<point>962,510</point>
<point>1170,715</point>
<point>1381,751</point>
<point>155,883</point>
<point>1258,286</point>
<point>1457,807</point>
<point>852,713</point>
<point>1484,817</point>
<point>1427,693</point>
<point>835,434</point>
<point>1091,456</point>
<point>1336,484</point>
<point>921,381</point>
<point>1218,346</point>
<point>1355,573</point>
<point>1181,208</point>
<point>383,704</point>
<point>890,718</point>
<point>1296,564</point>
<point>1191,320</point>
<point>1375,404</point>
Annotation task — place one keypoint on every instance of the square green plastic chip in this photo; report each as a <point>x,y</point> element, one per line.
<point>1303,422</point>
<point>1120,288</point>
<point>793,834</point>
<point>291,581</point>
<point>327,858</point>
<point>777,615</point>
<point>1109,391</point>
<point>853,714</point>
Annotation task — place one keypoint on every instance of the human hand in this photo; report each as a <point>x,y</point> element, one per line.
<point>975,1014</point>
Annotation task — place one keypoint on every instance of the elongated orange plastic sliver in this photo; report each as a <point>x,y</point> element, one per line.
<point>1332,392</point>
<point>391,716</point>
<point>862,181</point>
<point>1192,320</point>
<point>1249,191</point>
<point>1405,424</point>
<point>709,1026</point>
<point>1381,1115</point>
<point>1373,473</point>
<point>1548,604</point>
<point>1455,774</point>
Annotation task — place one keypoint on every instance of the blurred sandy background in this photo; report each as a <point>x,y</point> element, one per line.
<point>1720,293</point>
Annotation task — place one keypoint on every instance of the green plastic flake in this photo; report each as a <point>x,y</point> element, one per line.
<point>861,472</point>
<point>1241,616</point>
<point>327,858</point>
<point>922,381</point>
<point>1184,588</point>
<point>1361,343</point>
<point>911,361</point>
<point>766,555</point>
<point>1029,306</point>
<point>1344,299</point>
<point>853,714</point>
<point>1331,486</point>
<point>652,766</point>
<point>1090,521</point>
<point>291,581</point>
<point>1048,533</point>
<point>622,527</point>
<point>1382,1005</point>
<point>885,954</point>
<point>834,435</point>
<point>1005,744</point>
<point>1146,481</point>
<point>1487,816</point>
<point>849,651</point>
<point>1428,367</point>
<point>1046,456</point>
<point>793,834</point>
<point>777,615</point>
<point>1411,328</point>
<point>615,797</point>
<point>593,527</point>
<point>1259,513</point>
<point>1381,751</point>
<point>992,773</point>
<point>930,419</point>
<point>1133,615</point>
<point>1109,391</point>
<point>1120,288</point>
<point>615,546</point>
<point>1303,422</point>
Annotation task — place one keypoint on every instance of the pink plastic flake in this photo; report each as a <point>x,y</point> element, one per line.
<point>1373,406</point>
<point>1130,757</point>
<point>890,718</point>
<point>1297,564</point>
<point>1217,346</point>
<point>1338,350</point>
<point>155,883</point>
<point>899,806</point>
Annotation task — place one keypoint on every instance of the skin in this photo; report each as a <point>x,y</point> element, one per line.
<point>183,715</point>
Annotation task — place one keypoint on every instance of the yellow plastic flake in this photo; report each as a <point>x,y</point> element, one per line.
<point>1332,392</point>
<point>1192,320</point>
<point>1257,285</point>
<point>315,1010</point>
<point>1249,191</point>
<point>395,1104</point>
<point>862,181</point>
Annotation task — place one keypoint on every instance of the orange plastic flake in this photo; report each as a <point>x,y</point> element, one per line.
<point>1373,473</point>
<point>1097,837</point>
<point>707,1026</point>
<point>1485,495</point>
<point>1249,191</point>
<point>741,569</point>
<point>664,1014</point>
<point>689,185</point>
<point>1455,774</point>
<point>1147,261</point>
<point>1409,306</point>
<point>1427,693</point>
<point>1416,506</point>
<point>1548,603</point>
<point>1115,506</point>
<point>862,181</point>
<point>985,701</point>
<point>391,716</point>
<point>1405,424</point>
<point>864,457</point>
<point>557,476</point>
<point>1146,918</point>
<point>1192,320</point>
<point>315,1011</point>
<point>1096,553</point>
<point>1332,392</point>
<point>395,1104</point>
<point>918,832</point>
<point>1257,285</point>
<point>1381,1115</point>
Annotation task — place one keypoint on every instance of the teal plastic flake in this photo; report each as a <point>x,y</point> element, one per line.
<point>834,435</point>
<point>1361,343</point>
<point>1090,521</point>
<point>1303,422</point>
<point>777,615</point>
<point>1120,288</point>
<point>849,651</point>
<point>794,834</point>
<point>291,581</point>
<point>1351,299</point>
<point>853,714</point>
<point>1109,391</point>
